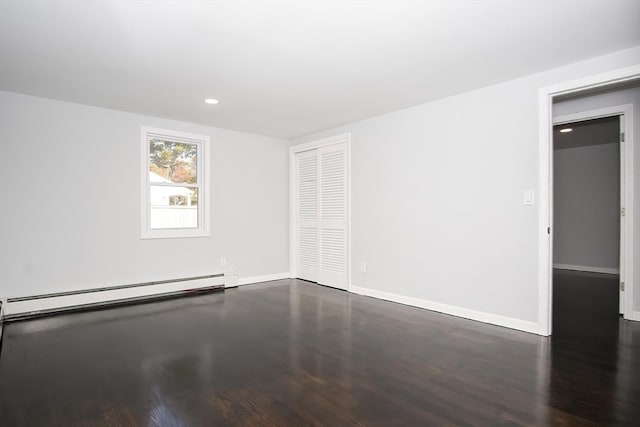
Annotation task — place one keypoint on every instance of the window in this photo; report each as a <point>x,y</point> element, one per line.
<point>175,177</point>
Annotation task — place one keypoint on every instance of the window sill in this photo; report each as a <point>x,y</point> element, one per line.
<point>173,234</point>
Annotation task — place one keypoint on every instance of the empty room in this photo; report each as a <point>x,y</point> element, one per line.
<point>331,213</point>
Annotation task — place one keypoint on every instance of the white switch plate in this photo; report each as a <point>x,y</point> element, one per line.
<point>528,198</point>
<point>363,266</point>
<point>223,262</point>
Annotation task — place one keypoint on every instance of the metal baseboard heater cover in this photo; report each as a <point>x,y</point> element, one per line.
<point>18,308</point>
<point>1,320</point>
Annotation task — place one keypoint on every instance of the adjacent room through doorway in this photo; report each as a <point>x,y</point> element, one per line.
<point>586,241</point>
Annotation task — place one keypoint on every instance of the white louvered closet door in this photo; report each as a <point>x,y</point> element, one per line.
<point>306,182</point>
<point>332,227</point>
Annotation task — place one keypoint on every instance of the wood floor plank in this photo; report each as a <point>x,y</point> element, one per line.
<point>293,353</point>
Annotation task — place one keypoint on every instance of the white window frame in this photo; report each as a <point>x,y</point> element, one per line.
<point>203,174</point>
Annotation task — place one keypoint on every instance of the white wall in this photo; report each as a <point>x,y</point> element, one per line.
<point>586,205</point>
<point>437,192</point>
<point>609,99</point>
<point>70,215</point>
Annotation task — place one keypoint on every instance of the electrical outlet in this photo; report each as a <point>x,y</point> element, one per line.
<point>223,262</point>
<point>363,266</point>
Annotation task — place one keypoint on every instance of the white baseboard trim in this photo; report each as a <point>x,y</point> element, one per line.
<point>590,269</point>
<point>494,319</point>
<point>635,315</point>
<point>265,278</point>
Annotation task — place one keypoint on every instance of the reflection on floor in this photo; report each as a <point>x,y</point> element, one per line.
<point>595,353</point>
<point>294,353</point>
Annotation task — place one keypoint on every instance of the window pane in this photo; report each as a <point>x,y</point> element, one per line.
<point>174,207</point>
<point>171,161</point>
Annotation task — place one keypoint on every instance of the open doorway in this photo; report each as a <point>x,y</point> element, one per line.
<point>612,94</point>
<point>588,201</point>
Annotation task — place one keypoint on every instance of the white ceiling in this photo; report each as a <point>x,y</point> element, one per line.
<point>586,133</point>
<point>288,68</point>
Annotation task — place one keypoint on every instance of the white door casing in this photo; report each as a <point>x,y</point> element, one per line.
<point>545,177</point>
<point>623,229</point>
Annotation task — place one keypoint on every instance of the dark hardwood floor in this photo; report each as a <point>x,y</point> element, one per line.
<point>294,353</point>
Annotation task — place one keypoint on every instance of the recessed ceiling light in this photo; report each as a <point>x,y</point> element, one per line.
<point>211,101</point>
<point>565,130</point>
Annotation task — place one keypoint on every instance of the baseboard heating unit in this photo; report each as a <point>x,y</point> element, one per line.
<point>1,319</point>
<point>40,305</point>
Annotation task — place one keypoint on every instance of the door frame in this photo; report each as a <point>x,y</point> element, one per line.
<point>626,190</point>
<point>545,186</point>
<point>299,148</point>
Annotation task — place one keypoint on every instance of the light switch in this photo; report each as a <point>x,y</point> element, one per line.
<point>528,197</point>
